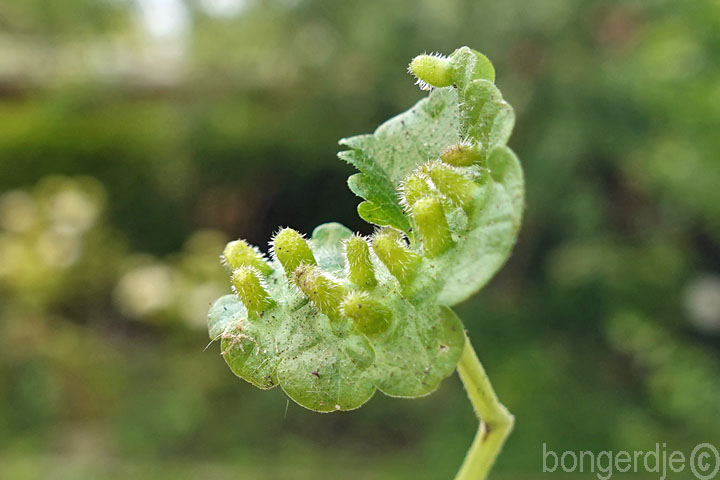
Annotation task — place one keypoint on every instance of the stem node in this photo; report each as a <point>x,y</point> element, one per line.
<point>496,422</point>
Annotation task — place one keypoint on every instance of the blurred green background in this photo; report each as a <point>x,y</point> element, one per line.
<point>137,136</point>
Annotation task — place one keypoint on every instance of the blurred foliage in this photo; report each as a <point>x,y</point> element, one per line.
<point>127,159</point>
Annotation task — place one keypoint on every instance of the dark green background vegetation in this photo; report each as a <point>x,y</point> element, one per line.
<point>127,160</point>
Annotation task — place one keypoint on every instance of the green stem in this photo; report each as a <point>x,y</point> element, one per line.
<point>496,422</point>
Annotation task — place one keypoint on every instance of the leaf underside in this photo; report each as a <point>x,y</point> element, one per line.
<point>328,365</point>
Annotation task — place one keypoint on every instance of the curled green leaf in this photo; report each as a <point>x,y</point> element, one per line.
<point>334,318</point>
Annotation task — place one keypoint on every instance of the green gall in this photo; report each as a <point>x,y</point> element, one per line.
<point>414,188</point>
<point>462,155</point>
<point>247,284</point>
<point>360,268</point>
<point>323,290</point>
<point>454,185</point>
<point>239,254</point>
<point>291,250</point>
<point>397,235</point>
<point>433,226</point>
<point>433,70</point>
<point>399,260</point>
<point>369,315</point>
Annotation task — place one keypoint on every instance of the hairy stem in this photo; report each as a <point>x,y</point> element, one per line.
<point>496,422</point>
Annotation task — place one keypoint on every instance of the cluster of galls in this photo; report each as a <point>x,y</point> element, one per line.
<point>334,299</point>
<point>426,194</point>
<point>427,191</point>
